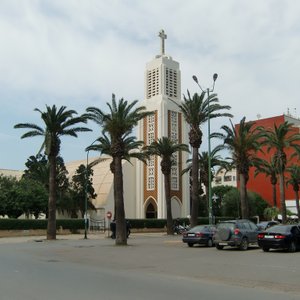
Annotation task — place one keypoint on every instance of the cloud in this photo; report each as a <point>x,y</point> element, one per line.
<point>77,53</point>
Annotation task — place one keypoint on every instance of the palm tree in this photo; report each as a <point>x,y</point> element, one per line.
<point>243,142</point>
<point>58,122</point>
<point>268,168</point>
<point>294,181</point>
<point>215,160</point>
<point>197,110</point>
<point>166,148</point>
<point>130,151</point>
<point>118,123</point>
<point>280,139</point>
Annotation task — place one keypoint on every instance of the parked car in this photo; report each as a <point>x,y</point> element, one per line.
<point>280,237</point>
<point>201,234</point>
<point>235,233</point>
<point>266,224</point>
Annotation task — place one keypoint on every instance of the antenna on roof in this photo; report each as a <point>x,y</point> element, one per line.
<point>258,116</point>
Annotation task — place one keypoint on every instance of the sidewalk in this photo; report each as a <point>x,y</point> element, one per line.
<point>23,239</point>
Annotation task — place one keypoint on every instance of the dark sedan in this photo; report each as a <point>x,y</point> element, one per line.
<point>280,237</point>
<point>201,234</point>
<point>266,224</point>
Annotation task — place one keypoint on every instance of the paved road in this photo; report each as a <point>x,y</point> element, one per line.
<point>153,266</point>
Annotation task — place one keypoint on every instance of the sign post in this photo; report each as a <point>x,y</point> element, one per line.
<point>108,216</point>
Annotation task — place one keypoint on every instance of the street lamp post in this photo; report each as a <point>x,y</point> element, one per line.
<point>210,215</point>
<point>86,190</point>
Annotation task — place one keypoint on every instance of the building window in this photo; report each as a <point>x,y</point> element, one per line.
<point>227,178</point>
<point>174,137</point>
<point>171,83</point>
<point>218,179</point>
<point>152,83</point>
<point>151,162</point>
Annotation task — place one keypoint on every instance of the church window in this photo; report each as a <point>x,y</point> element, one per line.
<point>174,137</point>
<point>171,83</point>
<point>152,83</point>
<point>151,161</point>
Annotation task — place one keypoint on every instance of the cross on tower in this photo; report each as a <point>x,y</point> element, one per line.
<point>163,37</point>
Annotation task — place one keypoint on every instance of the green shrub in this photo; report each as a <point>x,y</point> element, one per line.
<point>17,224</point>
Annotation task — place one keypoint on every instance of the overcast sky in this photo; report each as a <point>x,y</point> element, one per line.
<point>77,53</point>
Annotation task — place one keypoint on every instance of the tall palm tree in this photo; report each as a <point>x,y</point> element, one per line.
<point>243,142</point>
<point>103,146</point>
<point>58,122</point>
<point>270,169</point>
<point>197,110</point>
<point>118,123</point>
<point>280,139</point>
<point>294,181</point>
<point>165,148</point>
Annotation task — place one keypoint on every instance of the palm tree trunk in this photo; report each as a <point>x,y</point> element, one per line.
<point>121,237</point>
<point>297,203</point>
<point>195,180</point>
<point>51,226</point>
<point>282,197</point>
<point>244,208</point>
<point>168,204</point>
<point>274,195</point>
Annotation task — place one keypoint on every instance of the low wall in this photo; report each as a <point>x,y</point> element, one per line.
<point>39,232</point>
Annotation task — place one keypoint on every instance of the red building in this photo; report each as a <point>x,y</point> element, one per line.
<point>261,184</point>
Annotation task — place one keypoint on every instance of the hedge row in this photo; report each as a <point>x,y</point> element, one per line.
<point>16,224</point>
<point>76,224</point>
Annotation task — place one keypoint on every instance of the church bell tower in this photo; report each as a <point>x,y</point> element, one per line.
<point>162,89</point>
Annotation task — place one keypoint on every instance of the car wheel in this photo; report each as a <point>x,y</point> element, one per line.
<point>210,243</point>
<point>190,244</point>
<point>266,249</point>
<point>219,247</point>
<point>292,247</point>
<point>244,244</point>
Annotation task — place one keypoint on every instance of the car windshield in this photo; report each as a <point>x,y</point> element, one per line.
<point>199,228</point>
<point>226,225</point>
<point>279,229</point>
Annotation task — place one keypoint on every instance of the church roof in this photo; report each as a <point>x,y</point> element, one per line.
<point>102,178</point>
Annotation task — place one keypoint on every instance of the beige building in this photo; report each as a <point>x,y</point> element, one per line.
<point>224,177</point>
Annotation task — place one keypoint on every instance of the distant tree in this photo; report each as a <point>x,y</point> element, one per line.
<point>294,181</point>
<point>58,122</point>
<point>257,205</point>
<point>82,188</point>
<point>215,161</point>
<point>37,169</point>
<point>271,213</point>
<point>270,169</point>
<point>230,204</point>
<point>231,200</point>
<point>8,205</point>
<point>31,196</point>
<point>166,149</point>
<point>243,142</point>
<point>219,191</point>
<point>280,138</point>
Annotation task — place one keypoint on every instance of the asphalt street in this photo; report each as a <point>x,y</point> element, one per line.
<point>152,266</point>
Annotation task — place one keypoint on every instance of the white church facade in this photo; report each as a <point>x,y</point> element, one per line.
<point>144,195</point>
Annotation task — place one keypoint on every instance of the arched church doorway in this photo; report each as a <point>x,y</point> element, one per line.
<point>151,210</point>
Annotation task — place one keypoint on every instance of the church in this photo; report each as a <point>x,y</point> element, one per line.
<point>144,195</point>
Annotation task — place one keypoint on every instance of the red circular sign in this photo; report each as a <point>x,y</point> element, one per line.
<point>109,215</point>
